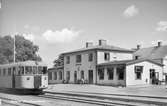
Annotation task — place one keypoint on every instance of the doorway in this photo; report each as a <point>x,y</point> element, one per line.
<point>90,76</point>
<point>154,76</point>
<point>13,77</point>
<point>75,77</point>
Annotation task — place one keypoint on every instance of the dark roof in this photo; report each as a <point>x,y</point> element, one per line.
<point>129,62</point>
<point>101,47</point>
<point>152,52</point>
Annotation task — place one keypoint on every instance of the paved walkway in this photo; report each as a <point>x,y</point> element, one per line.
<point>149,90</point>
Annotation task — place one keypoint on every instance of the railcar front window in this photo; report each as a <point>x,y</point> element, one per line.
<point>28,70</point>
<point>21,70</point>
<point>34,70</point>
<point>40,70</point>
<point>44,71</point>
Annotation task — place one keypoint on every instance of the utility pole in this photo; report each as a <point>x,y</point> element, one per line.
<point>14,52</point>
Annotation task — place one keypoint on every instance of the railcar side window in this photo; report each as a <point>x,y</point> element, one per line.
<point>9,71</point>
<point>0,72</point>
<point>28,70</point>
<point>4,71</point>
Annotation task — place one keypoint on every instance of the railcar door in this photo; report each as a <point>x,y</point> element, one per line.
<point>37,81</point>
<point>13,77</point>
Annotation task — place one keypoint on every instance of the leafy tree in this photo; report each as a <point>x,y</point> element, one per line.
<point>25,49</point>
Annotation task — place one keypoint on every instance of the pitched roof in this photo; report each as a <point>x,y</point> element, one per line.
<point>129,62</point>
<point>152,52</point>
<point>101,47</point>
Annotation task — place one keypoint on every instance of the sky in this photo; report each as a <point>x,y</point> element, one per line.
<point>58,26</point>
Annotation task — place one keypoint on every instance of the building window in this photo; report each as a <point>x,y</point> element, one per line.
<point>78,58</point>
<point>120,72</point>
<point>101,73</point>
<point>60,75</point>
<point>90,57</point>
<point>138,72</point>
<point>106,56</point>
<point>110,72</point>
<point>68,75</point>
<point>82,74</point>
<point>136,57</point>
<point>50,75</point>
<point>55,75</point>
<point>68,60</point>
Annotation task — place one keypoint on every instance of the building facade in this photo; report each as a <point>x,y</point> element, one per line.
<point>129,72</point>
<point>156,53</point>
<point>82,64</point>
<point>105,64</point>
<point>55,74</point>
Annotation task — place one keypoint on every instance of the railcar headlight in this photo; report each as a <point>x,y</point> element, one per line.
<point>28,78</point>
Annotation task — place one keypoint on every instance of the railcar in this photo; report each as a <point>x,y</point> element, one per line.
<point>27,76</point>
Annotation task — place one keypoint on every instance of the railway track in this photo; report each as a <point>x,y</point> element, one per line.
<point>14,102</point>
<point>93,100</point>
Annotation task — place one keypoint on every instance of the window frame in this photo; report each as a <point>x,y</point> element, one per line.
<point>68,75</point>
<point>60,75</point>
<point>106,56</point>
<point>90,57</point>
<point>55,75</point>
<point>110,77</point>
<point>101,73</point>
<point>120,72</point>
<point>137,72</point>
<point>78,58</point>
<point>67,59</point>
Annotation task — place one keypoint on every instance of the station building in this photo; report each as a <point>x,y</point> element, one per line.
<point>105,64</point>
<point>55,74</point>
<point>157,53</point>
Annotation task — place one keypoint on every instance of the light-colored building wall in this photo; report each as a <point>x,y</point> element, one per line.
<point>85,65</point>
<point>113,56</point>
<point>145,79</point>
<point>165,64</point>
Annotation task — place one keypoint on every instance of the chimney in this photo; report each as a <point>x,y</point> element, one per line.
<point>102,42</point>
<point>138,47</point>
<point>89,44</point>
<point>159,43</point>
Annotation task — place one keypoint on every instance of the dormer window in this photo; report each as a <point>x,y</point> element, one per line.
<point>136,57</point>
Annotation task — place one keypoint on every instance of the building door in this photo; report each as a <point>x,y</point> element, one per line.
<point>90,76</point>
<point>75,77</point>
<point>152,76</point>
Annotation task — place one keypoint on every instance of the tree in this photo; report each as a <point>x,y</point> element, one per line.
<point>25,49</point>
